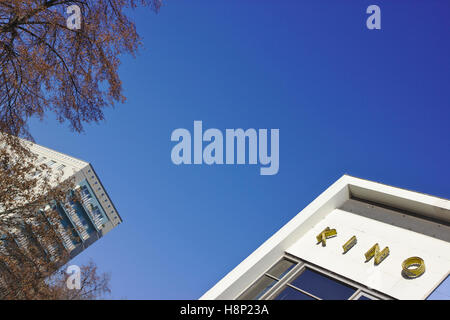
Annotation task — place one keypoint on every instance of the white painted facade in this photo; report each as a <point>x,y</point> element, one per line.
<point>409,223</point>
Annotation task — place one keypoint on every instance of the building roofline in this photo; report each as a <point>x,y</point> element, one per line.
<point>64,155</point>
<point>83,162</point>
<point>106,192</point>
<point>388,185</point>
<point>332,198</point>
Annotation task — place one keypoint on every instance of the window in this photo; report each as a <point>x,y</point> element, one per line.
<point>289,293</point>
<point>86,192</point>
<point>268,280</point>
<point>36,173</point>
<point>51,163</point>
<point>280,269</point>
<point>293,279</point>
<point>261,286</point>
<point>317,285</point>
<point>362,295</point>
<point>96,211</point>
<point>42,159</point>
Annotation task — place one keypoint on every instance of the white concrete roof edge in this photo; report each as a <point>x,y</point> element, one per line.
<point>221,289</point>
<point>78,163</point>
<point>268,253</point>
<point>399,192</point>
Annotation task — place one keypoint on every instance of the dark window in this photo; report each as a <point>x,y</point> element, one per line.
<point>86,192</point>
<point>291,294</point>
<point>307,284</point>
<point>267,281</point>
<point>322,286</point>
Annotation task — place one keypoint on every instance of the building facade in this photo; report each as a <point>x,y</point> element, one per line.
<point>93,216</point>
<point>358,240</point>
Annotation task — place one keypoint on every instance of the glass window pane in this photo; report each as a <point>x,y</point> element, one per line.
<point>281,268</point>
<point>291,294</point>
<point>258,288</point>
<point>364,298</point>
<point>442,292</point>
<point>322,286</point>
<point>51,163</point>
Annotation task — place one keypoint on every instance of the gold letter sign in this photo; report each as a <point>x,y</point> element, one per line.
<point>416,262</point>
<point>375,252</point>
<point>325,234</point>
<point>412,267</point>
<point>349,244</point>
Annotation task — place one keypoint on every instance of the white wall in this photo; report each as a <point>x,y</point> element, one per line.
<point>386,277</point>
<point>298,237</point>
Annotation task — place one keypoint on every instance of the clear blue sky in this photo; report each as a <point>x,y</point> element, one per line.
<point>373,104</point>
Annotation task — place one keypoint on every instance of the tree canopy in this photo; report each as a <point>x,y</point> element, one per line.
<point>47,66</point>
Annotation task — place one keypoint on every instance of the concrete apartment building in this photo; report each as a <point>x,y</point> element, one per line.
<point>358,240</point>
<point>91,218</point>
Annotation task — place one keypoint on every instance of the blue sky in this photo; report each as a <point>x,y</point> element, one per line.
<point>371,103</point>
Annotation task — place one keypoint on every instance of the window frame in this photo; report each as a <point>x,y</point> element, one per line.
<point>361,293</point>
<point>301,265</point>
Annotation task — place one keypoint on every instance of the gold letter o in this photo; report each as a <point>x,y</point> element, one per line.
<point>416,262</point>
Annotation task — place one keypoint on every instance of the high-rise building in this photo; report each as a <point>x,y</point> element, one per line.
<point>93,216</point>
<point>358,240</point>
